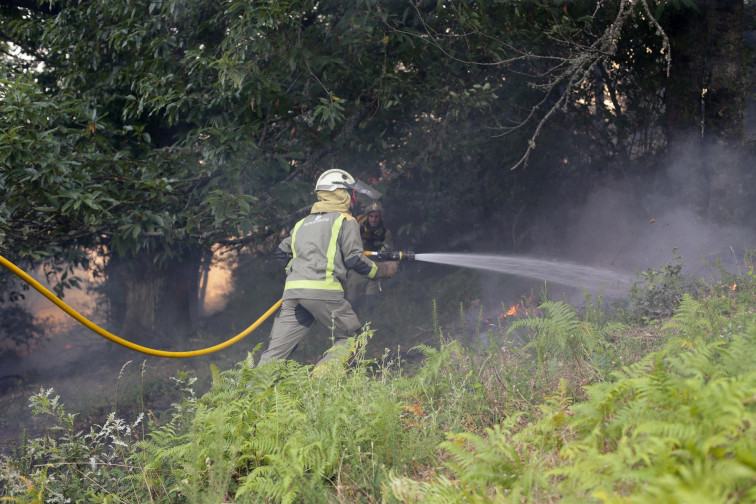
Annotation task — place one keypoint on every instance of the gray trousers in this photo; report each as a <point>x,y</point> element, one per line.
<point>295,318</point>
<point>362,292</point>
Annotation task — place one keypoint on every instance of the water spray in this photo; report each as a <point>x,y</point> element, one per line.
<point>561,272</point>
<point>564,273</point>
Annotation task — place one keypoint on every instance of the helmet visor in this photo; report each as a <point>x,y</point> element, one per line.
<point>362,188</point>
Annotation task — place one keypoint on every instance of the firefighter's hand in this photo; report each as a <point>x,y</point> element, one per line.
<point>391,268</point>
<point>387,269</point>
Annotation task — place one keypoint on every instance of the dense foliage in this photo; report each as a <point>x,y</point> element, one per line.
<point>190,123</point>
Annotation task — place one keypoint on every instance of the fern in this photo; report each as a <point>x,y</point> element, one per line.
<point>682,433</point>
<point>440,491</point>
<point>689,321</point>
<point>284,432</point>
<point>490,461</point>
<point>561,334</point>
<point>667,429</point>
<point>679,425</point>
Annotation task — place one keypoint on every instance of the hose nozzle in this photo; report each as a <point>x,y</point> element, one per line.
<point>391,255</point>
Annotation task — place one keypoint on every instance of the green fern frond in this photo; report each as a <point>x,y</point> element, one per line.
<point>689,321</point>
<point>484,460</point>
<point>440,491</point>
<point>701,360</point>
<point>560,333</point>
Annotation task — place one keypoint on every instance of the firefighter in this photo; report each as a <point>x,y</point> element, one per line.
<point>361,292</point>
<point>320,250</point>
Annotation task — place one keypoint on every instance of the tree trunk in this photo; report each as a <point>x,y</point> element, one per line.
<point>705,104</point>
<point>154,304</point>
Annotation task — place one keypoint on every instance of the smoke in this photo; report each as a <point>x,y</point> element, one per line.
<point>694,207</point>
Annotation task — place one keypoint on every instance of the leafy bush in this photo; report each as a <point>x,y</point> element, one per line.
<point>284,433</point>
<point>659,291</point>
<point>73,466</point>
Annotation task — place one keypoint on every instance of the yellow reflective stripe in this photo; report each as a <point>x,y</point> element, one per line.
<point>293,235</point>
<point>332,246</point>
<point>373,271</point>
<point>313,284</point>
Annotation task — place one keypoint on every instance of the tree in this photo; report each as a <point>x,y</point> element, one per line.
<point>152,134</point>
<point>705,99</point>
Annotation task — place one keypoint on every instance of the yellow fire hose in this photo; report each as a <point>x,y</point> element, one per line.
<point>112,337</point>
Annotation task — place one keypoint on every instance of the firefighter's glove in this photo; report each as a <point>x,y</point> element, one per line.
<point>387,269</point>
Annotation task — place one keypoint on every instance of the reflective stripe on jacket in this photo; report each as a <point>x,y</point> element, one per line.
<point>322,247</point>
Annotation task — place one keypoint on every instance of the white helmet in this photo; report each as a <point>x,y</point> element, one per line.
<point>334,179</point>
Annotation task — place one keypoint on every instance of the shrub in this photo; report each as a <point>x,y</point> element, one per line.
<point>659,291</point>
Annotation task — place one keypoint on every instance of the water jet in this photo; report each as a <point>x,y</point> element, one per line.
<point>561,272</point>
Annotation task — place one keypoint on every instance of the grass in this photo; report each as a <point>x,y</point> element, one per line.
<point>591,405</point>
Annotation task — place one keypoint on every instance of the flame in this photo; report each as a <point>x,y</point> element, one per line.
<point>734,285</point>
<point>511,312</point>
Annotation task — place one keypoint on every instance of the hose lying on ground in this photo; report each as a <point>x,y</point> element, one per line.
<point>128,344</point>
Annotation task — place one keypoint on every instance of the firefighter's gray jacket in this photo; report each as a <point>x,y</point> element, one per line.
<point>320,250</point>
